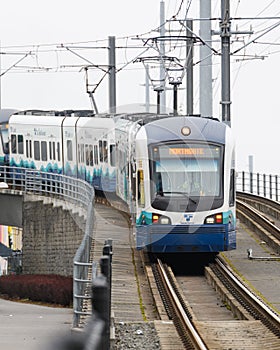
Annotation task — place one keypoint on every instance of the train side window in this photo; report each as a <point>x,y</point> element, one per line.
<point>96,155</point>
<point>20,144</point>
<point>101,152</point>
<point>36,150</point>
<point>50,150</point>
<point>30,148</point>
<point>53,149</point>
<point>82,153</point>
<point>232,188</point>
<point>113,155</point>
<point>90,155</point>
<point>13,143</point>
<point>79,153</point>
<point>87,155</point>
<point>105,152</point>
<point>44,153</point>
<point>69,150</point>
<point>27,148</point>
<point>58,151</point>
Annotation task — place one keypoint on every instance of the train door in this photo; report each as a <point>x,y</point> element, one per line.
<point>70,161</point>
<point>3,144</point>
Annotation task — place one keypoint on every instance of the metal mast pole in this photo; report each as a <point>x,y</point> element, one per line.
<point>162,54</point>
<point>189,67</point>
<point>112,74</point>
<point>147,89</point>
<point>205,78</point>
<point>225,43</point>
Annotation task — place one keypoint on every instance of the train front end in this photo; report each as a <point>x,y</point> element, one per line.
<point>186,186</point>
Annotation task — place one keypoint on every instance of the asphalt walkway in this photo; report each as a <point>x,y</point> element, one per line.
<point>32,327</point>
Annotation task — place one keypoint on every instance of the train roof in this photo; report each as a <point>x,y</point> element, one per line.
<point>146,118</point>
<point>204,129</point>
<point>63,113</point>
<point>31,119</point>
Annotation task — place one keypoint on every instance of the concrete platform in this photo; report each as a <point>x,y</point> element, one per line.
<point>262,276</point>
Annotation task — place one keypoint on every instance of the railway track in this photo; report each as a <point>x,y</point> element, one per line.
<point>240,330</point>
<point>264,205</point>
<point>263,216</point>
<point>200,326</point>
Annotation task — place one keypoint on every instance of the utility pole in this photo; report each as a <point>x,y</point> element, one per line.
<point>112,74</point>
<point>189,67</point>
<point>147,88</point>
<point>162,54</point>
<point>205,68</point>
<point>225,43</point>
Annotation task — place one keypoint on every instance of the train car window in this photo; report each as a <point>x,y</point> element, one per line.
<point>20,144</point>
<point>96,155</point>
<point>13,143</point>
<point>30,148</point>
<point>69,150</point>
<point>101,151</point>
<point>36,150</point>
<point>82,153</point>
<point>58,151</point>
<point>113,155</point>
<point>44,153</point>
<point>232,188</point>
<point>105,152</point>
<point>27,148</point>
<point>79,154</point>
<point>87,155</point>
<point>50,150</point>
<point>53,149</point>
<point>90,155</point>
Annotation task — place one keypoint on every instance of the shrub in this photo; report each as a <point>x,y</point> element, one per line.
<point>52,289</point>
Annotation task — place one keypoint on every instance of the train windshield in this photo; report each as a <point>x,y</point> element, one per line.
<point>185,171</point>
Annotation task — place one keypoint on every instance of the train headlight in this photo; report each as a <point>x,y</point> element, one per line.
<point>161,220</point>
<point>164,220</point>
<point>186,131</point>
<point>214,219</point>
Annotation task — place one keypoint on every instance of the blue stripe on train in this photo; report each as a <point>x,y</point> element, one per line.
<point>185,238</point>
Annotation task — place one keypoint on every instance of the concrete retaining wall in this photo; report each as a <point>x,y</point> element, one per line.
<point>52,234</point>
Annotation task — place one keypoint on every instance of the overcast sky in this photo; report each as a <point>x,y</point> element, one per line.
<point>42,62</point>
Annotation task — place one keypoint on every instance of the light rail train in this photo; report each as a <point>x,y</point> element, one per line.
<point>175,173</point>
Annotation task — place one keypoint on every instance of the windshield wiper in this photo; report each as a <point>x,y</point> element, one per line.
<point>183,194</point>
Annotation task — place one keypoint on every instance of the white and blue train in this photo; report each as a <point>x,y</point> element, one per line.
<point>175,173</point>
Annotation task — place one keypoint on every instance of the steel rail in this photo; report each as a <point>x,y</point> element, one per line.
<point>259,199</point>
<point>250,301</point>
<point>180,312</point>
<point>259,218</point>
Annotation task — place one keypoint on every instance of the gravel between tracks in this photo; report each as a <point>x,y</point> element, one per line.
<point>136,336</point>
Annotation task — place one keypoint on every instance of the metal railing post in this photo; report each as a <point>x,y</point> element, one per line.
<point>243,181</point>
<point>264,185</point>
<point>258,184</point>
<point>270,186</point>
<point>276,188</point>
<point>100,307</point>
<point>251,183</point>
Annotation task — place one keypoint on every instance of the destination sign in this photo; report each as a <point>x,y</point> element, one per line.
<point>186,151</point>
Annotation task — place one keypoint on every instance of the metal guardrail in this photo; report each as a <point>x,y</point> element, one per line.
<point>38,182</point>
<point>72,190</point>
<point>263,185</point>
<point>97,331</point>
